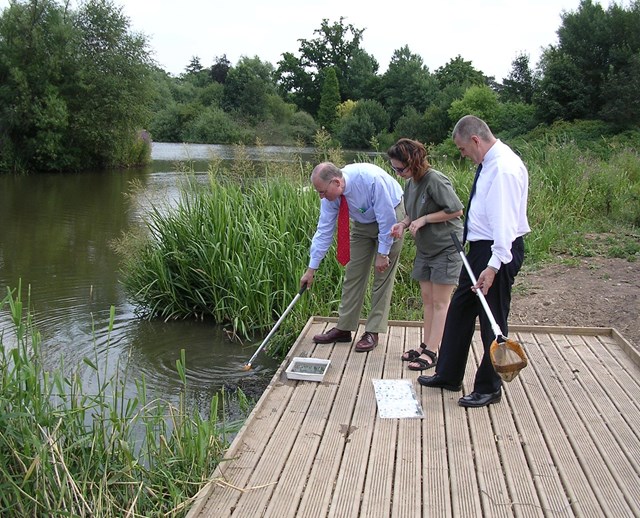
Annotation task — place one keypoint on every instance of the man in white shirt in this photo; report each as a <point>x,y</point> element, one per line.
<point>496,220</point>
<point>375,204</point>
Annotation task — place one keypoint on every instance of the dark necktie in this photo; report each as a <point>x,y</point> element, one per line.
<point>344,254</point>
<point>473,191</point>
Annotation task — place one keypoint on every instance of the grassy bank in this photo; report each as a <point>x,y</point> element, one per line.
<point>67,452</point>
<point>234,250</point>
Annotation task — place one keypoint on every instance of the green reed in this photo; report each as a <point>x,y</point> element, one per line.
<point>65,451</point>
<point>234,250</point>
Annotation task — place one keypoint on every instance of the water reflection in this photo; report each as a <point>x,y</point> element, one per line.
<point>56,237</point>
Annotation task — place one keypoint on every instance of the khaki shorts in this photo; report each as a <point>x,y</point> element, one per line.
<point>441,269</point>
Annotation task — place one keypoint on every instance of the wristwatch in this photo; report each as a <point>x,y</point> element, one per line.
<point>386,256</point>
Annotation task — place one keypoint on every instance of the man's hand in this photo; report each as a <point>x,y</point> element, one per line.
<point>382,262</point>
<point>307,278</point>
<point>485,281</point>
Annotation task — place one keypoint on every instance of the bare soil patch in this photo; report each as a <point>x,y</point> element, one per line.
<point>584,292</point>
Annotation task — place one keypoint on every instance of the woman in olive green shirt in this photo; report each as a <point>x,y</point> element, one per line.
<point>433,212</point>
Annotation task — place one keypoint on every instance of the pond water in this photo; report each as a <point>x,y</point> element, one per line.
<point>56,236</point>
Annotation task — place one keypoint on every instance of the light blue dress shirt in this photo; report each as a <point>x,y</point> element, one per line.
<point>372,195</point>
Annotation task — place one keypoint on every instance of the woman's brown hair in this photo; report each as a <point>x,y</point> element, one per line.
<point>411,153</point>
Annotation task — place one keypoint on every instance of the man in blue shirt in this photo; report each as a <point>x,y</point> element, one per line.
<point>496,222</point>
<point>374,199</point>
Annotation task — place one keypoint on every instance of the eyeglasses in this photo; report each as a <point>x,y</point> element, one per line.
<point>399,169</point>
<point>322,193</point>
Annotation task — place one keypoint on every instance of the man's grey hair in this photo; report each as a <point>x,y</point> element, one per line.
<point>326,171</point>
<point>471,125</point>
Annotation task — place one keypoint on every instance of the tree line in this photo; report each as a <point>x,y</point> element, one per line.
<point>77,88</point>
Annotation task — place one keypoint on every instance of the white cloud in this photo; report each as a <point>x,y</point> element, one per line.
<point>489,33</point>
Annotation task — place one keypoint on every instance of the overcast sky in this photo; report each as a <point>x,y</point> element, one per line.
<point>489,33</point>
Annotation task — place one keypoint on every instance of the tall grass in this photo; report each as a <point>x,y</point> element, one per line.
<point>67,452</point>
<point>235,251</point>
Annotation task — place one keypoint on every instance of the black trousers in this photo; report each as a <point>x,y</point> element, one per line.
<point>465,307</point>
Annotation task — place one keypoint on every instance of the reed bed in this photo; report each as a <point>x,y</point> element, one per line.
<point>67,452</point>
<point>235,250</point>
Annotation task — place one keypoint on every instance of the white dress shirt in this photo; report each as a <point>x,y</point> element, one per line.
<point>498,210</point>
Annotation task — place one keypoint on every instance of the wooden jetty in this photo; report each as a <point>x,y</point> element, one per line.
<point>563,442</point>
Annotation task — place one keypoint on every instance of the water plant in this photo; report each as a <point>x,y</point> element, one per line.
<point>65,451</point>
<point>235,250</point>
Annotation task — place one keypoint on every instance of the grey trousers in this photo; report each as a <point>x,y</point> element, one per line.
<point>364,247</point>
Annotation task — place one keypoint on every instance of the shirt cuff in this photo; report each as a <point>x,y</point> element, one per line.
<point>495,262</point>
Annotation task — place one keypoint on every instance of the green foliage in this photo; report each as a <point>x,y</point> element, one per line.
<point>367,120</point>
<point>68,452</point>
<point>412,125</point>
<point>458,72</point>
<point>593,70</point>
<point>337,46</point>
<point>480,101</point>
<point>329,99</point>
<point>247,86</point>
<point>75,86</point>
<point>514,119</point>
<point>407,83</point>
<point>519,86</point>
<point>215,125</point>
<point>199,261</point>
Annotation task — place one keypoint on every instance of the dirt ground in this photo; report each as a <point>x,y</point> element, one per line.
<point>595,292</point>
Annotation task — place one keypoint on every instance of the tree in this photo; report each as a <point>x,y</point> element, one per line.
<point>595,53</point>
<point>480,101</point>
<point>453,80</point>
<point>366,121</point>
<point>520,83</point>
<point>76,86</point>
<point>407,83</point>
<point>194,66</point>
<point>622,105</point>
<point>220,69</point>
<point>562,94</point>
<point>329,99</point>
<point>247,86</point>
<point>461,73</point>
<point>338,46</point>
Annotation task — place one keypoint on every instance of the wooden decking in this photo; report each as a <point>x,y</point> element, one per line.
<point>563,442</point>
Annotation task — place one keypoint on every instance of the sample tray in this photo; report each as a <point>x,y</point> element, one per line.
<point>309,369</point>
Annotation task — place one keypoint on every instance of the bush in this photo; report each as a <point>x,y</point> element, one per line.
<point>366,121</point>
<point>215,125</point>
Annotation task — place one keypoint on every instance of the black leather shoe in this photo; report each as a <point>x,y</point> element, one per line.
<point>476,399</point>
<point>437,381</point>
<point>333,335</point>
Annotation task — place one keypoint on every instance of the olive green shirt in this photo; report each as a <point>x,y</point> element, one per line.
<point>433,193</point>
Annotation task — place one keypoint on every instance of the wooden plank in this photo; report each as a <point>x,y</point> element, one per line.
<point>436,485</point>
<point>565,432</point>
<point>613,437</point>
<point>293,479</point>
<point>494,495</point>
<point>465,497</point>
<point>378,494</point>
<point>524,395</point>
<point>338,433</point>
<point>564,441</point>
<point>350,480</point>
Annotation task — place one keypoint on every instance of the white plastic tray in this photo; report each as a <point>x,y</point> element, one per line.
<point>309,369</point>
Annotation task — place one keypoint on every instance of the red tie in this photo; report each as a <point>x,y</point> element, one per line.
<point>343,232</point>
